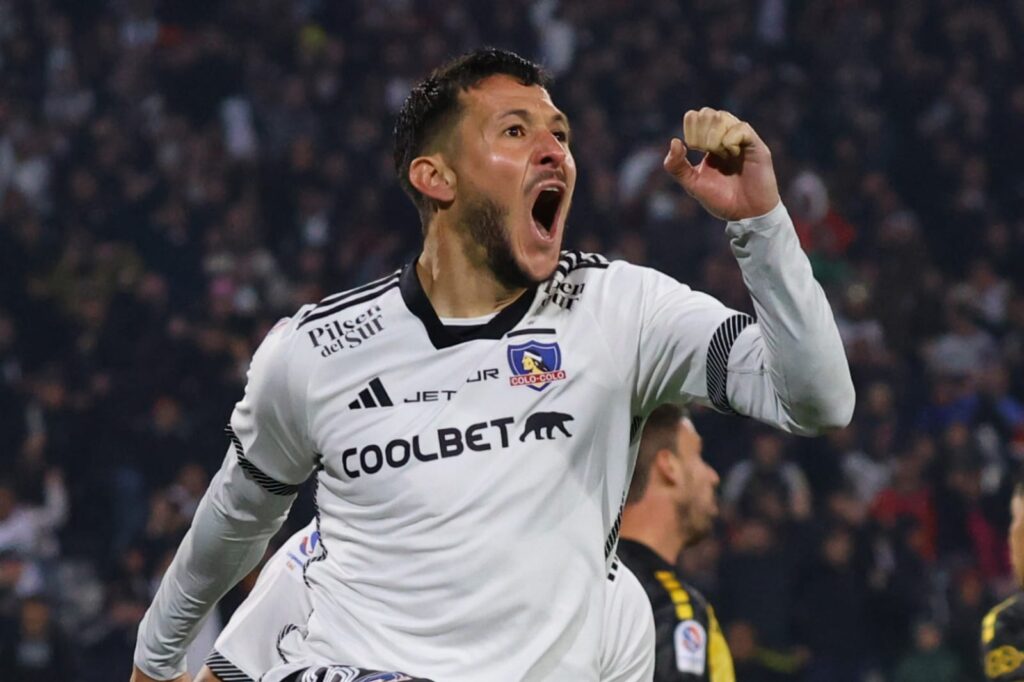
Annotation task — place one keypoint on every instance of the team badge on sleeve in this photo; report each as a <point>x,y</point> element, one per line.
<point>691,640</point>
<point>535,364</point>
<point>307,547</point>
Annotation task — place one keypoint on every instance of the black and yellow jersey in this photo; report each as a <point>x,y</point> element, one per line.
<point>689,642</point>
<point>1002,641</point>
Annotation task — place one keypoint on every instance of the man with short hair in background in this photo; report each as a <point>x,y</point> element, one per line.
<point>672,505</point>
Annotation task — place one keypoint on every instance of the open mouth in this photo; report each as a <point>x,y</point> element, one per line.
<point>545,208</point>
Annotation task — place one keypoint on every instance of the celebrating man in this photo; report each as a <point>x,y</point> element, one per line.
<point>467,503</point>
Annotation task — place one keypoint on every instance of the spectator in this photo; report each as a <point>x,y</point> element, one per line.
<point>833,615</point>
<point>930,661</point>
<point>36,650</point>
<point>767,469</point>
<point>909,495</point>
<point>964,346</point>
<point>28,529</point>
<point>110,641</point>
<point>755,663</point>
<point>757,584</point>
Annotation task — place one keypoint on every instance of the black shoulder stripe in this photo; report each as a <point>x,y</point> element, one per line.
<point>341,295</point>
<point>612,540</point>
<point>225,669</point>
<point>575,260</point>
<point>634,427</point>
<point>718,359</point>
<point>320,313</point>
<point>272,486</point>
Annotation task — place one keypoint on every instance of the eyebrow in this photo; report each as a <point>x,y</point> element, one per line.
<point>558,117</point>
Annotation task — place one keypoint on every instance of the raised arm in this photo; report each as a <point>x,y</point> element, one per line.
<point>787,367</point>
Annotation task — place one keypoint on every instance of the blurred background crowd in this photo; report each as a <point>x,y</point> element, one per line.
<point>176,176</point>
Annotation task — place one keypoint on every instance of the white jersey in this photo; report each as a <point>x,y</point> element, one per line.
<point>469,485</point>
<point>280,603</point>
<point>628,639</point>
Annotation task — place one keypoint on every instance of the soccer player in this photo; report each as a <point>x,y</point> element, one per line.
<point>280,604</point>
<point>467,503</point>
<point>671,505</point>
<point>1002,629</point>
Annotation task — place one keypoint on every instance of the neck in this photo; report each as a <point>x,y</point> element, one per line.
<point>455,276</point>
<point>655,523</point>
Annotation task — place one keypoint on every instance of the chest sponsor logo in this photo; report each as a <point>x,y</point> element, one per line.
<point>446,394</point>
<point>563,294</point>
<point>448,442</point>
<point>337,335</point>
<point>691,641</point>
<point>535,364</point>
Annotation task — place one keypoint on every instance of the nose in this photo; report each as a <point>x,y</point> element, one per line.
<point>549,152</point>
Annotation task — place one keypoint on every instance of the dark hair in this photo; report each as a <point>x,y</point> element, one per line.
<point>1018,488</point>
<point>433,106</point>
<point>659,433</point>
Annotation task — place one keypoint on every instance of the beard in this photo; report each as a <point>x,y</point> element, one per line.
<point>694,525</point>
<point>483,221</point>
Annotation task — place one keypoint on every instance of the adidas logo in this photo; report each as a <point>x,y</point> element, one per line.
<point>372,396</point>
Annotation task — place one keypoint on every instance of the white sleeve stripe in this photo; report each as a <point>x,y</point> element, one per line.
<point>718,359</point>
<point>254,473</point>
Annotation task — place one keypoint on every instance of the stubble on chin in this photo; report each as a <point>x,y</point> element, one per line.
<point>483,223</point>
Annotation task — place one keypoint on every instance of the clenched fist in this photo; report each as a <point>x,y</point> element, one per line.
<point>735,179</point>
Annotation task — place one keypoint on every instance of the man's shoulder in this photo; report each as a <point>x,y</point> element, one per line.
<point>336,304</point>
<point>669,593</point>
<point>342,320</point>
<point>578,265</point>
<point>1002,640</point>
<point>594,280</point>
<point>1004,623</point>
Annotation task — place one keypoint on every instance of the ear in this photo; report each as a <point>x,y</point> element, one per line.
<point>433,178</point>
<point>667,466</point>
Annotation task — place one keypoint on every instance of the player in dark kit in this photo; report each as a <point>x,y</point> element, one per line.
<point>671,505</point>
<point>1002,630</point>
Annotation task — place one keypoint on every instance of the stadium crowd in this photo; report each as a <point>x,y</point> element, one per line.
<point>176,176</point>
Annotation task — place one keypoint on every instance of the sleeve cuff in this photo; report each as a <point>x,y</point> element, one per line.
<point>762,223</point>
<point>160,671</point>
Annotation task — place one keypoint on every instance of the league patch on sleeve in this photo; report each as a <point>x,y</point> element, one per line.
<point>691,640</point>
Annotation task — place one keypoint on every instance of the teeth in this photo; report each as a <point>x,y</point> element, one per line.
<point>552,189</point>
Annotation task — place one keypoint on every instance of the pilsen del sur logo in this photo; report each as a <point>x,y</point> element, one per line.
<point>535,364</point>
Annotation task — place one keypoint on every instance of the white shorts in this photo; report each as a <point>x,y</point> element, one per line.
<point>280,604</point>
